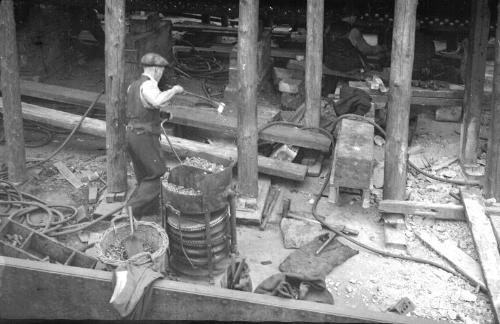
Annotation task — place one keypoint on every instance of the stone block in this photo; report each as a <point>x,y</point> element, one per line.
<point>291,85</point>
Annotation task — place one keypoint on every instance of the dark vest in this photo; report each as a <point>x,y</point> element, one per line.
<point>137,114</point>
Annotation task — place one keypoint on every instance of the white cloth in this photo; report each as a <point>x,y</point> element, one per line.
<point>151,96</point>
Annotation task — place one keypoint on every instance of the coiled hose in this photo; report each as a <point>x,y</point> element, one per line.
<point>19,206</point>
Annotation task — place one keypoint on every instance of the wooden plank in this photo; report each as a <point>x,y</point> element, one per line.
<point>254,217</point>
<point>427,209</point>
<point>189,116</point>
<point>486,244</point>
<point>492,187</point>
<point>47,291</point>
<point>474,81</point>
<point>226,50</point>
<point>248,30</point>
<point>92,196</point>
<point>228,125</point>
<point>184,147</point>
<point>417,92</point>
<point>68,175</point>
<point>61,94</point>
<point>9,75</point>
<point>460,260</point>
<point>116,145</point>
<point>495,223</point>
<point>314,61</point>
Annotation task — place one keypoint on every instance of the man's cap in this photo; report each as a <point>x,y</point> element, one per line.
<point>153,59</point>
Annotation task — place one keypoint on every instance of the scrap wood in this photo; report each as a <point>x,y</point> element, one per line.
<point>68,175</point>
<point>485,242</point>
<point>462,262</point>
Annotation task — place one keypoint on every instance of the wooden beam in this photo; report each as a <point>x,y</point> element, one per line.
<point>460,260</point>
<point>427,209</point>
<point>46,291</point>
<point>9,74</point>
<point>183,146</point>
<point>314,61</point>
<point>492,188</point>
<point>486,244</point>
<point>187,116</point>
<point>396,147</point>
<point>474,81</point>
<point>248,30</point>
<point>398,119</point>
<point>116,161</point>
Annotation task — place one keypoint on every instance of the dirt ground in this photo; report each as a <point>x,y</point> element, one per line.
<point>365,281</point>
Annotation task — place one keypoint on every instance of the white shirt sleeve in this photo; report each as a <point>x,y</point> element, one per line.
<point>152,97</point>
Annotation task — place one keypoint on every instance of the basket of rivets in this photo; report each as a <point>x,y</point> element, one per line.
<point>111,249</point>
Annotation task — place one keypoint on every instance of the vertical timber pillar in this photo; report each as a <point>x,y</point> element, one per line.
<point>115,96</point>
<point>474,82</point>
<point>314,61</point>
<point>396,148</point>
<point>248,28</point>
<point>493,164</point>
<point>398,119</point>
<point>12,117</point>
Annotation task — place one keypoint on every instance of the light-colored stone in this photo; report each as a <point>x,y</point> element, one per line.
<point>468,296</point>
<point>296,233</point>
<point>290,85</point>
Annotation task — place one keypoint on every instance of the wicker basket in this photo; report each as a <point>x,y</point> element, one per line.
<point>148,232</point>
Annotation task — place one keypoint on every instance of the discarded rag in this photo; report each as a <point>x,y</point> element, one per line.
<point>133,289</point>
<point>353,101</point>
<point>304,261</point>
<point>296,286</point>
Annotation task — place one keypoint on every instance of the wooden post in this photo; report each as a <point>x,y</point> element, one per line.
<point>398,119</point>
<point>247,111</point>
<point>403,43</point>
<point>314,61</point>
<point>12,117</point>
<point>493,165</point>
<point>474,81</point>
<point>115,96</point>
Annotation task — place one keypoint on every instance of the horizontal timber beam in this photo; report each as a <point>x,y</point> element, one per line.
<point>184,147</point>
<point>40,290</point>
<point>186,116</point>
<point>426,209</point>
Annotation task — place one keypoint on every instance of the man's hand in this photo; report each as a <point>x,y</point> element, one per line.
<point>178,89</point>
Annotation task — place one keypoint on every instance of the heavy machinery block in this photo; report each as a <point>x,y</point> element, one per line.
<point>352,159</point>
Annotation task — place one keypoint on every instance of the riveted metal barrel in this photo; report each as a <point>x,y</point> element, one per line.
<point>198,216</point>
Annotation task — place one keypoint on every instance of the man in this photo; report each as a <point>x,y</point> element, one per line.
<point>339,55</point>
<point>144,100</point>
<point>350,14</point>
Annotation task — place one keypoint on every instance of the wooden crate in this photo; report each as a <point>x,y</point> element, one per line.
<point>37,246</point>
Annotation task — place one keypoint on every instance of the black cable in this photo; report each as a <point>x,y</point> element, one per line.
<point>73,131</point>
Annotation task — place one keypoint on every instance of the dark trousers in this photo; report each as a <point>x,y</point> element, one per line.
<point>149,166</point>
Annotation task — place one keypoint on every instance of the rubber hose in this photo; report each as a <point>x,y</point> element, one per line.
<point>339,233</point>
<point>73,131</point>
<point>365,246</point>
